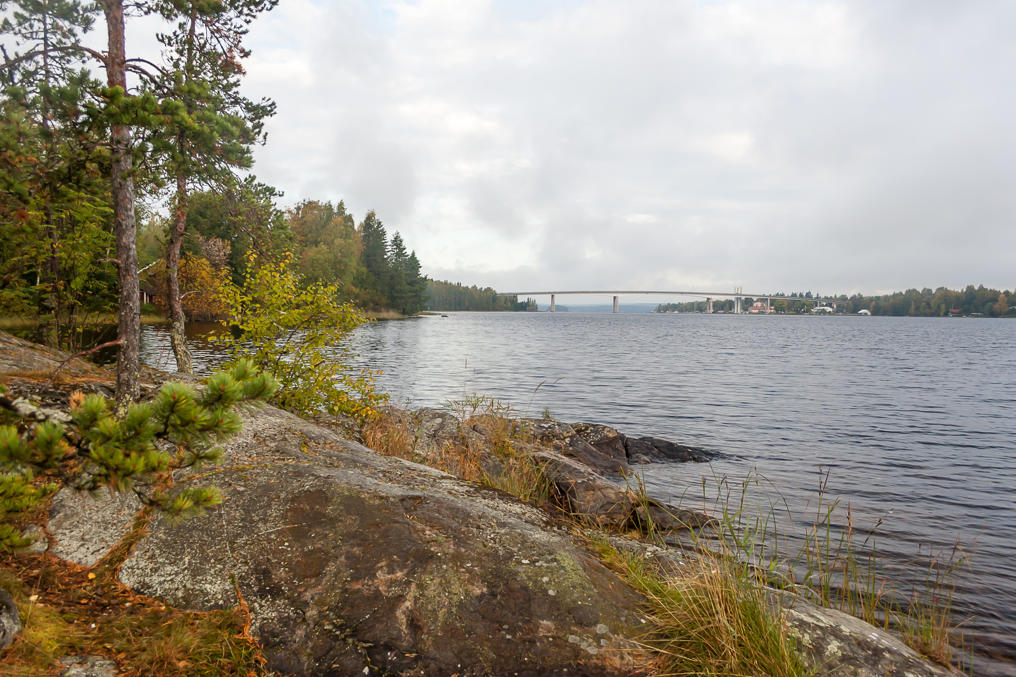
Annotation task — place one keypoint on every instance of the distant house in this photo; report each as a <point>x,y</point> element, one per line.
<point>823,309</point>
<point>758,308</point>
<point>148,290</point>
<point>864,311</point>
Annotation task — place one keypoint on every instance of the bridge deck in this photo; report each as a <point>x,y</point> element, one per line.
<point>704,294</point>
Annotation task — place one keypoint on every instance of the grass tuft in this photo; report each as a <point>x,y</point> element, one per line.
<point>711,619</point>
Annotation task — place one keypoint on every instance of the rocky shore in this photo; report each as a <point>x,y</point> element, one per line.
<point>352,562</point>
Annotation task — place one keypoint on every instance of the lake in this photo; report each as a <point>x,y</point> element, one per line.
<point>910,421</point>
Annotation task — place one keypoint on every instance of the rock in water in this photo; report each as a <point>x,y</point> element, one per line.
<point>653,449</point>
<point>599,447</point>
<point>354,563</point>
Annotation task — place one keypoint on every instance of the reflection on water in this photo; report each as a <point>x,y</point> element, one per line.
<point>913,418</point>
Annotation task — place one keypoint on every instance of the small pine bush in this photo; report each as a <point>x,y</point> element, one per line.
<point>179,428</point>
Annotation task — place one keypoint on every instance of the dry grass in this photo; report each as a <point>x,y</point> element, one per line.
<point>385,314</point>
<point>498,457</point>
<point>712,619</point>
<point>69,610</point>
<point>390,434</point>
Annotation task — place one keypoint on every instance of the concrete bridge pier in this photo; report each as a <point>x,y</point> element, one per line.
<point>709,305</point>
<point>615,304</point>
<point>553,303</point>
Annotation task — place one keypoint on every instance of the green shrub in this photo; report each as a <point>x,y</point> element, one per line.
<point>297,333</point>
<point>97,449</point>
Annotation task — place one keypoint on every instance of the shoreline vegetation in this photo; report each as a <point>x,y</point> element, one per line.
<point>942,302</point>
<point>714,597</point>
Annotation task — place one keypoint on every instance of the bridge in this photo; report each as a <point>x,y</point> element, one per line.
<point>738,295</point>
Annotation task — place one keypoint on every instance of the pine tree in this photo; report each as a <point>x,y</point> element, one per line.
<point>398,282</point>
<point>54,201</point>
<point>209,125</point>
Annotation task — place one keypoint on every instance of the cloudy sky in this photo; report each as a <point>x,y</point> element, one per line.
<point>775,145</point>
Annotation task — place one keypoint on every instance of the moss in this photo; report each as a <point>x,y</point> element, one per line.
<point>560,575</point>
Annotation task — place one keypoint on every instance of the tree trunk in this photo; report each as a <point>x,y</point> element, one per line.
<point>176,332</point>
<point>128,369</point>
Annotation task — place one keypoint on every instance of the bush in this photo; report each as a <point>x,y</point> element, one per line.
<point>297,333</point>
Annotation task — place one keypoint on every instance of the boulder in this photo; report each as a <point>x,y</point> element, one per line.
<point>354,563</point>
<point>10,620</point>
<point>587,494</point>
<point>609,505</point>
<point>565,439</point>
<point>609,444</point>
<point>836,643</point>
<point>653,450</point>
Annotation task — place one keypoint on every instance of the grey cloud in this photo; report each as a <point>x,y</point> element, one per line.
<point>832,145</point>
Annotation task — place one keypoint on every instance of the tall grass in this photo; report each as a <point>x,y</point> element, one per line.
<point>833,563</point>
<point>711,618</point>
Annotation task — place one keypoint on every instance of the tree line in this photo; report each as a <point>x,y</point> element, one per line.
<point>444,295</point>
<point>941,302</point>
<point>370,268</point>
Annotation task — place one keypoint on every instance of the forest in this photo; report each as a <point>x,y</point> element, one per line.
<point>970,302</point>
<point>138,187</point>
<point>443,295</point>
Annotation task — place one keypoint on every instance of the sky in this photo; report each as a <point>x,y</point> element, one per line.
<point>791,145</point>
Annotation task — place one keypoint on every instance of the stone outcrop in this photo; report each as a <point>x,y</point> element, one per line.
<point>354,563</point>
<point>608,451</point>
<point>653,450</point>
<point>836,643</point>
<point>584,461</point>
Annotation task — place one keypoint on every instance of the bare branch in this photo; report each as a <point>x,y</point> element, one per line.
<point>107,344</point>
<point>12,61</point>
<point>157,67</point>
<point>141,270</point>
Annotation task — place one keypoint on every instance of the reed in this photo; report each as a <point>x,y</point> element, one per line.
<point>711,618</point>
<point>834,564</point>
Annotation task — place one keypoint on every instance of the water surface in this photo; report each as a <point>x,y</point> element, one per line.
<point>912,420</point>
